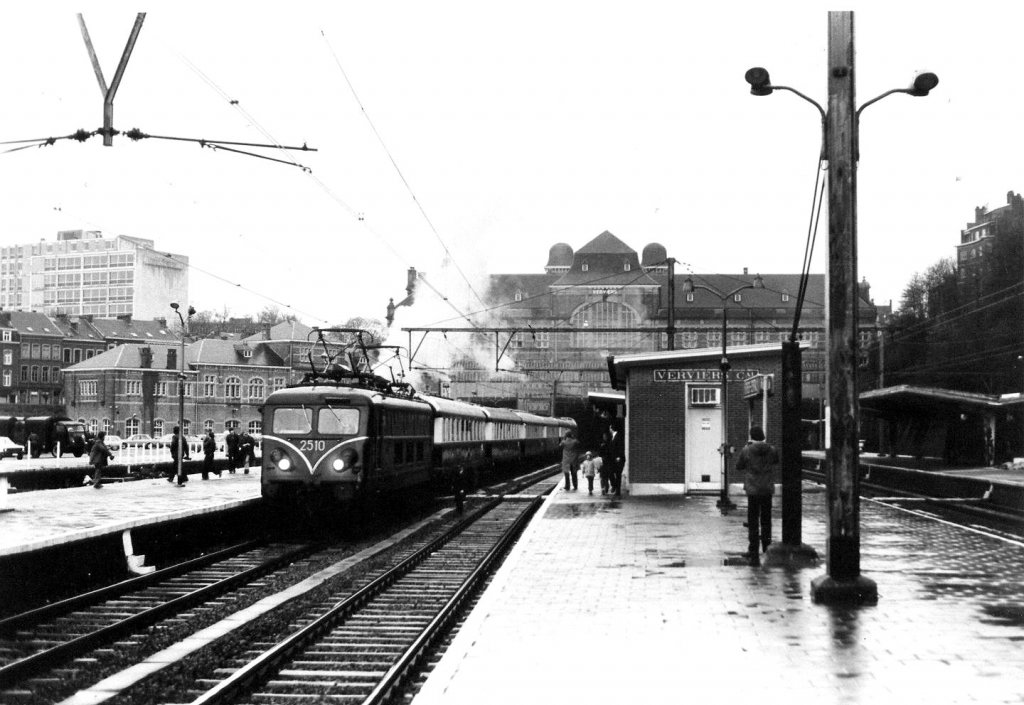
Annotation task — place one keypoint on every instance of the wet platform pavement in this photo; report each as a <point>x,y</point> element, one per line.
<point>46,518</point>
<point>637,600</point>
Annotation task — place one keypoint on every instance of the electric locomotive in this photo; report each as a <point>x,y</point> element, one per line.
<point>345,436</point>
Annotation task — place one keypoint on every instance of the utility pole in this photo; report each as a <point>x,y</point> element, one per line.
<point>671,329</point>
<point>843,581</point>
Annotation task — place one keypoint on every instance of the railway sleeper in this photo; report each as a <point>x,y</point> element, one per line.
<point>351,666</point>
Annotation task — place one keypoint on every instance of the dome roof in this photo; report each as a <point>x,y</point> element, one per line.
<point>654,255</point>
<point>560,255</point>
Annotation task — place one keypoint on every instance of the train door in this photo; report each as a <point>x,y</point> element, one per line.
<point>703,439</point>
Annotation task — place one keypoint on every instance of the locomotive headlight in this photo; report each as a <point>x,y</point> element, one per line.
<point>346,461</point>
<point>278,458</point>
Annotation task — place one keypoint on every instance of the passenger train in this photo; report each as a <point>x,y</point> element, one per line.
<point>342,436</point>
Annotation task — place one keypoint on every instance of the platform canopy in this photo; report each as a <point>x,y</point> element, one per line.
<point>933,401</point>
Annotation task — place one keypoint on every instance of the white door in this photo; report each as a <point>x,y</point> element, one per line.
<point>703,439</point>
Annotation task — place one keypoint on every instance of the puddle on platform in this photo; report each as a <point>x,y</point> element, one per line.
<point>573,511</point>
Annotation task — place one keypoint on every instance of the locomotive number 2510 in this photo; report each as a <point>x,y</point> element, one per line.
<point>314,445</point>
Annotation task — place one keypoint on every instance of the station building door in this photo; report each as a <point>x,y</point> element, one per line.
<point>703,439</point>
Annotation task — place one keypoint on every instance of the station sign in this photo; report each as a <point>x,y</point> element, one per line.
<point>758,385</point>
<point>701,375</point>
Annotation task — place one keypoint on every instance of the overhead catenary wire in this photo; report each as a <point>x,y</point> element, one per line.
<point>398,170</point>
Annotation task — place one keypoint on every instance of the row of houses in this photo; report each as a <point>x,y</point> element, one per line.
<point>122,375</point>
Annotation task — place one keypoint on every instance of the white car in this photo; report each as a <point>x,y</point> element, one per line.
<point>113,442</point>
<point>9,448</point>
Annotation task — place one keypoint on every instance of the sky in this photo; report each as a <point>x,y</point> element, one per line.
<point>466,138</point>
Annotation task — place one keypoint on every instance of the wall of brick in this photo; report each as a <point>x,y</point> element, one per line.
<point>657,412</point>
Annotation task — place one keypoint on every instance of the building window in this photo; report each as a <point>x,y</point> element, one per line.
<point>87,388</point>
<point>8,382</point>
<point>78,355</point>
<point>257,389</point>
<point>232,424</point>
<point>94,425</point>
<point>256,426</point>
<point>161,389</point>
<point>704,396</point>
<point>186,427</point>
<point>277,383</point>
<point>785,296</point>
<point>7,336</point>
<point>131,426</point>
<point>737,337</point>
<point>36,351</point>
<point>714,338</point>
<point>689,297</point>
<point>8,357</point>
<point>34,373</point>
<point>158,428</point>
<point>687,339</point>
<point>133,387</point>
<point>107,426</point>
<point>67,355</point>
<point>625,266</point>
<point>604,314</point>
<point>233,388</point>
<point>737,298</point>
<point>762,336</point>
<point>209,385</point>
<point>519,295</point>
<point>207,425</point>
<point>586,267</point>
<point>24,373</point>
<point>542,340</point>
<point>26,350</point>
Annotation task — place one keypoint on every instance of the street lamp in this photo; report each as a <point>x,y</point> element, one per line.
<point>181,391</point>
<point>843,580</point>
<point>688,286</point>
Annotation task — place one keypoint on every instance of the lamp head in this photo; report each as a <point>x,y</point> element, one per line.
<point>688,285</point>
<point>760,82</point>
<point>174,305</point>
<point>923,83</point>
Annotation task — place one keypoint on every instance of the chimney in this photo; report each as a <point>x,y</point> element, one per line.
<point>172,358</point>
<point>162,322</point>
<point>745,271</point>
<point>127,318</point>
<point>5,318</point>
<point>865,289</point>
<point>146,355</point>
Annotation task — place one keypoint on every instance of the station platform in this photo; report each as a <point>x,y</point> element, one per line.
<point>646,599</point>
<point>34,521</point>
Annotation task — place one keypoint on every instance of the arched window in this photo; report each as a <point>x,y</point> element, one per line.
<point>158,428</point>
<point>233,388</point>
<point>131,426</point>
<point>232,424</point>
<point>257,389</point>
<point>605,314</point>
<point>94,425</point>
<point>107,426</point>
<point>207,425</point>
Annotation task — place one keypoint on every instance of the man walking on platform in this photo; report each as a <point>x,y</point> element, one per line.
<point>618,452</point>
<point>231,446</point>
<point>98,457</point>
<point>758,459</point>
<point>209,448</point>
<point>175,440</point>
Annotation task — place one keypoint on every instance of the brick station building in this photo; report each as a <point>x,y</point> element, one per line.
<point>674,413</point>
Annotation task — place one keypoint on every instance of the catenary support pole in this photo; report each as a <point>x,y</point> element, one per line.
<point>843,581</point>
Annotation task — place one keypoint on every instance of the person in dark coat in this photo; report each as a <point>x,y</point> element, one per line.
<point>209,448</point>
<point>99,454</point>
<point>231,446</point>
<point>758,459</point>
<point>617,445</point>
<point>175,439</point>
<point>246,450</point>
<point>569,459</point>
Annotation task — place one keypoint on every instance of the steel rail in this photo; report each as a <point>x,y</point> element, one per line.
<point>246,677</point>
<point>13,672</point>
<point>34,616</point>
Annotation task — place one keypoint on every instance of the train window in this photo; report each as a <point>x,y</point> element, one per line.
<point>398,454</point>
<point>290,420</point>
<point>419,451</point>
<point>338,421</point>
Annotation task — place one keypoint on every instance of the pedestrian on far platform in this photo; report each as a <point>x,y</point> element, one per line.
<point>209,448</point>
<point>569,459</point>
<point>98,457</point>
<point>759,460</point>
<point>590,466</point>
<point>246,450</point>
<point>176,438</point>
<point>231,446</point>
<point>617,445</point>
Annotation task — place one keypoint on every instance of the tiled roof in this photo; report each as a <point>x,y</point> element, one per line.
<point>605,244</point>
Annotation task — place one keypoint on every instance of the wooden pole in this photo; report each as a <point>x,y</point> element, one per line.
<point>843,581</point>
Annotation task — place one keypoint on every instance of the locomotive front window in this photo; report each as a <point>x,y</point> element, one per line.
<point>292,420</point>
<point>343,422</point>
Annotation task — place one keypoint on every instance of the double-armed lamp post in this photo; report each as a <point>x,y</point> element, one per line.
<point>840,126</point>
<point>181,391</point>
<point>688,286</point>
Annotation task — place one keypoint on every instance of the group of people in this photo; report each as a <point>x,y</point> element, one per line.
<point>757,460</point>
<point>593,464</point>
<point>240,448</point>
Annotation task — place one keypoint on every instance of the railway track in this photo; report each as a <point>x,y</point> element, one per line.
<point>361,645</point>
<point>965,511</point>
<point>45,638</point>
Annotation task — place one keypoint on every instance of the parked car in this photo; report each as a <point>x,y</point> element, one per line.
<point>113,442</point>
<point>140,440</point>
<point>10,449</point>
